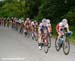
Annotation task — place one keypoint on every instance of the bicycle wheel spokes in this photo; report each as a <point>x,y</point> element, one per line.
<point>66,47</point>
<point>45,46</point>
<point>57,46</point>
<point>36,37</point>
<point>49,42</point>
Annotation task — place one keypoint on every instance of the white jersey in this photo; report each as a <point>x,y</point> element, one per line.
<point>62,25</point>
<point>41,24</point>
<point>32,23</point>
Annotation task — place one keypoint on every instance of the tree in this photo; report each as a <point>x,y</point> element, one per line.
<point>52,9</point>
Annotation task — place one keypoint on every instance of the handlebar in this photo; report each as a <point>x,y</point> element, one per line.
<point>69,33</point>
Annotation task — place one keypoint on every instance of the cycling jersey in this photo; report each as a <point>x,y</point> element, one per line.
<point>42,27</point>
<point>27,23</point>
<point>34,24</point>
<point>61,26</point>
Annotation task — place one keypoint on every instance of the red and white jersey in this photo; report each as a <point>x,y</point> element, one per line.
<point>60,26</point>
<point>35,24</point>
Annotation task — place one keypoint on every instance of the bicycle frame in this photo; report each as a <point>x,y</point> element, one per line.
<point>45,37</point>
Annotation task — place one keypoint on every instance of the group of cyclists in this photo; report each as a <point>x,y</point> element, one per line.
<point>45,24</point>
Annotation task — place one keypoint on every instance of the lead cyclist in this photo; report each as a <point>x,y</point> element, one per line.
<point>62,26</point>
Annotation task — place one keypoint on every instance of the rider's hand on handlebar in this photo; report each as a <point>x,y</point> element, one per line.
<point>70,33</point>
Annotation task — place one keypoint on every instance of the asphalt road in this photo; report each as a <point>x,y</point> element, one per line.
<point>15,47</point>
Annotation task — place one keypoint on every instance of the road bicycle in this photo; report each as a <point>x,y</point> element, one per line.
<point>64,43</point>
<point>46,41</point>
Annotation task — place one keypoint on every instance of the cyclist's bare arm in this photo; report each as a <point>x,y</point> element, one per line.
<point>68,29</point>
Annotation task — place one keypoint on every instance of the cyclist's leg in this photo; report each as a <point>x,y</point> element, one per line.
<point>32,29</point>
<point>58,37</point>
<point>25,31</point>
<point>60,33</point>
<point>39,41</point>
<point>39,38</point>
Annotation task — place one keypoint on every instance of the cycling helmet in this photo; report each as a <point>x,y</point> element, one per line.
<point>44,20</point>
<point>27,19</point>
<point>64,21</point>
<point>48,21</point>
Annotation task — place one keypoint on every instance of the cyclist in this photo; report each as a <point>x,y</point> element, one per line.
<point>21,25</point>
<point>34,25</point>
<point>60,27</point>
<point>27,25</point>
<point>13,22</point>
<point>8,21</point>
<point>41,28</point>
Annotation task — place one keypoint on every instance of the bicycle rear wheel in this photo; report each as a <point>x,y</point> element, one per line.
<point>57,45</point>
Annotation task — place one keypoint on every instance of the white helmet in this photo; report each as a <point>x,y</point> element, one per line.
<point>44,20</point>
<point>48,21</point>
<point>19,20</point>
<point>27,19</point>
<point>64,21</point>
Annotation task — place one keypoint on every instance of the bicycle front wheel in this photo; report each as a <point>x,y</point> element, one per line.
<point>66,47</point>
<point>49,42</point>
<point>46,46</point>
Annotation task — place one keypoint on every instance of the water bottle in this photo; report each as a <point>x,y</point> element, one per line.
<point>60,40</point>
